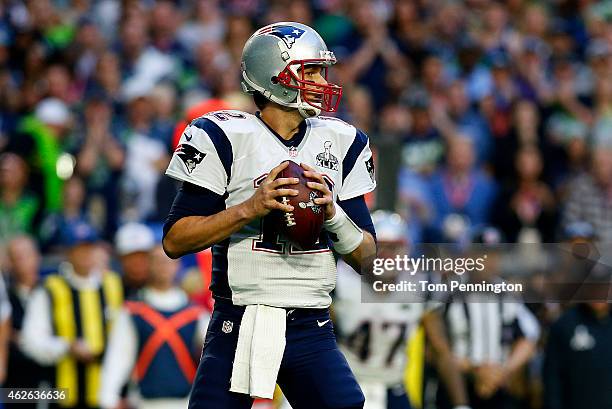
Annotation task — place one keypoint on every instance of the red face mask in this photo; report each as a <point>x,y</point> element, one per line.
<point>325,97</point>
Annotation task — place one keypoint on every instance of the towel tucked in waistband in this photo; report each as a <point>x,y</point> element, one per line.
<point>259,352</point>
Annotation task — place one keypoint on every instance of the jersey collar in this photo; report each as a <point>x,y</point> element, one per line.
<point>295,139</point>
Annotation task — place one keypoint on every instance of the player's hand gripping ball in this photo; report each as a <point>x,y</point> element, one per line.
<point>303,225</point>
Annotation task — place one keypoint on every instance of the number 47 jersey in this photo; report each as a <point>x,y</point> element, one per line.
<point>230,153</point>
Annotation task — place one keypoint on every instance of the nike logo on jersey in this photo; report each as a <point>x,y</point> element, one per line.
<point>320,324</point>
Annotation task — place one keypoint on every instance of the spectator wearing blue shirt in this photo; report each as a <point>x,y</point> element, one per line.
<point>460,189</point>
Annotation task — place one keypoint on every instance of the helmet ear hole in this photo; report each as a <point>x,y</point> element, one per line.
<point>274,79</point>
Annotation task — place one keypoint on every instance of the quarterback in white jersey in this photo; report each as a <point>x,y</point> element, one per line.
<point>373,335</point>
<point>231,153</point>
<point>271,319</point>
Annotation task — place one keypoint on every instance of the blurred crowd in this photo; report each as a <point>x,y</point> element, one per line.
<point>480,113</point>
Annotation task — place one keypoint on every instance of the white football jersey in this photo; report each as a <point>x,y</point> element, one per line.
<point>373,336</point>
<point>231,153</point>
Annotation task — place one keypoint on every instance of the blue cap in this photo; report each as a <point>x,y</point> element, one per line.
<point>77,232</point>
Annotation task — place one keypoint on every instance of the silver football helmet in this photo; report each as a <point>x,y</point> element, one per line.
<point>273,62</point>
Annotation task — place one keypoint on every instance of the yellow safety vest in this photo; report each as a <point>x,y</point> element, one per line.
<point>413,374</point>
<point>92,321</point>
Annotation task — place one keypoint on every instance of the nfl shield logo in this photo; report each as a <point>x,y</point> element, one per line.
<point>227,327</point>
<point>293,152</point>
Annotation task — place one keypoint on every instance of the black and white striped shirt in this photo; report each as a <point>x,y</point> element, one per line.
<point>485,331</point>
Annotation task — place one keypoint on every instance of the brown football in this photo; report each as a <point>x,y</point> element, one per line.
<point>303,225</point>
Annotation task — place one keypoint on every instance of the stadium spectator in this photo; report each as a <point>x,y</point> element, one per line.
<point>19,208</point>
<point>370,51</point>
<point>460,117</point>
<point>590,197</point>
<point>145,157</point>
<point>460,190</point>
<point>40,140</point>
<point>100,159</point>
<point>133,243</point>
<point>23,275</point>
<point>72,211</point>
<point>527,208</point>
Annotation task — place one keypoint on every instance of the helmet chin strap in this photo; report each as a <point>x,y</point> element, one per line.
<point>305,109</point>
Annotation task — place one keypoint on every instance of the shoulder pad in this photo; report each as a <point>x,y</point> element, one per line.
<point>336,125</point>
<point>232,122</point>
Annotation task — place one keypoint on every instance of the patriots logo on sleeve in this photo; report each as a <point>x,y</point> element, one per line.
<point>190,156</point>
<point>370,167</point>
<point>289,34</point>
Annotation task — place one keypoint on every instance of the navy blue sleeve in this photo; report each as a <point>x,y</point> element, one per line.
<point>358,211</point>
<point>193,200</point>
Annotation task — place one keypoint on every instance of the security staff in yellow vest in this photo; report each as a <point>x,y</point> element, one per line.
<point>68,318</point>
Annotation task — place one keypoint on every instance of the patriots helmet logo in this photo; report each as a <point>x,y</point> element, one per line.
<point>289,34</point>
<point>190,156</point>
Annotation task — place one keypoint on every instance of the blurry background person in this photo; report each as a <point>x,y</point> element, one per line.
<point>23,273</point>
<point>460,189</point>
<point>133,242</point>
<point>493,336</point>
<point>527,210</point>
<point>67,319</point>
<point>19,209</point>
<point>373,335</point>
<point>100,160</point>
<point>578,359</point>
<point>42,140</point>
<point>72,211</point>
<point>156,340</point>
<point>590,196</point>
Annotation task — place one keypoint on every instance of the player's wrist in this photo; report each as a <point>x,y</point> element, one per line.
<point>330,212</point>
<point>346,236</point>
<point>247,210</point>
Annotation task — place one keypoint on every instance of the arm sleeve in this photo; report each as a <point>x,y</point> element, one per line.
<point>37,338</point>
<point>193,200</point>
<point>357,169</point>
<point>119,359</point>
<point>203,157</point>
<point>526,324</point>
<point>359,213</point>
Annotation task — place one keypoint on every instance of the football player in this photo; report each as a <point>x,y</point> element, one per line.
<point>373,335</point>
<point>228,162</point>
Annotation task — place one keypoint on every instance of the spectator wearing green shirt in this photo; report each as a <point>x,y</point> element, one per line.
<point>40,140</point>
<point>18,208</point>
